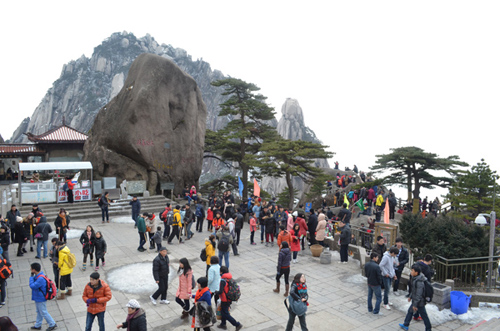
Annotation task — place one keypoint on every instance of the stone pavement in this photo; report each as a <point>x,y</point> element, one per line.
<point>337,292</point>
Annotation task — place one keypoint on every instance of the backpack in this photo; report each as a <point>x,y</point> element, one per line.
<point>198,211</point>
<point>50,289</point>
<point>65,187</point>
<point>5,271</point>
<point>163,215</point>
<point>233,290</point>
<point>428,291</point>
<point>203,255</point>
<point>224,243</point>
<point>99,202</point>
<point>71,260</point>
<point>170,218</point>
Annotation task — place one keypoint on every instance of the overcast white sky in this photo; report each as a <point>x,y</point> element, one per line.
<point>369,75</point>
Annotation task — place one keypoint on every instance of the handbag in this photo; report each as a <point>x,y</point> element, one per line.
<point>38,236</point>
<point>148,229</point>
<point>298,307</point>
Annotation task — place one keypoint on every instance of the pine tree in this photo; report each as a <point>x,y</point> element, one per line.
<point>410,167</point>
<point>289,158</point>
<point>472,193</point>
<point>242,137</point>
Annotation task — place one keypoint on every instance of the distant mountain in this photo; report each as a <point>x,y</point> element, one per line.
<point>292,126</point>
<point>88,84</point>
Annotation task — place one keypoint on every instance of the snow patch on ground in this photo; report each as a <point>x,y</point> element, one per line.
<point>123,219</point>
<point>356,279</point>
<point>135,278</point>
<point>473,315</point>
<point>71,234</point>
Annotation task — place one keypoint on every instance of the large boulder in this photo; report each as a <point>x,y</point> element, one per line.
<point>153,130</point>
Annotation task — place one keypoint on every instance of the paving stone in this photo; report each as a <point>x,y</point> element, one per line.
<point>335,303</point>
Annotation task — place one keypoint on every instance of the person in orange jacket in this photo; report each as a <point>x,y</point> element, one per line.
<point>284,236</point>
<point>96,294</point>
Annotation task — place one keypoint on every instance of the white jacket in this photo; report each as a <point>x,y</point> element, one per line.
<point>387,265</point>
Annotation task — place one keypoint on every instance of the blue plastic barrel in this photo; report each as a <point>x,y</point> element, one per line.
<point>459,302</point>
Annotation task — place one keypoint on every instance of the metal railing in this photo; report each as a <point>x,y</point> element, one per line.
<point>467,273</point>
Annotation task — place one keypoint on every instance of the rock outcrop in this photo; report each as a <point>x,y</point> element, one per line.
<point>291,126</point>
<point>87,84</point>
<point>154,129</point>
<point>1,139</point>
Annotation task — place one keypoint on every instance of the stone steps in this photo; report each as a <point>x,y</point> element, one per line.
<point>90,209</point>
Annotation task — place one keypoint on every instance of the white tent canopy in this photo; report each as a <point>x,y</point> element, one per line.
<point>39,166</point>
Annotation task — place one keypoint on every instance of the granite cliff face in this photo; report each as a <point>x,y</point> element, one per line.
<point>153,130</point>
<point>291,126</point>
<point>87,84</point>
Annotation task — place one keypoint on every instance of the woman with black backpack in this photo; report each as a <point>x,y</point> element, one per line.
<point>203,314</point>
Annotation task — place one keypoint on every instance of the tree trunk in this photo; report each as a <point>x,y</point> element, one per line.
<point>244,179</point>
<point>416,196</point>
<point>409,185</point>
<point>289,183</point>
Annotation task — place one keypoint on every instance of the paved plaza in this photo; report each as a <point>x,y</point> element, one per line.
<point>337,292</point>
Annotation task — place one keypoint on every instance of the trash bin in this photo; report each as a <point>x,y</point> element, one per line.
<point>459,302</point>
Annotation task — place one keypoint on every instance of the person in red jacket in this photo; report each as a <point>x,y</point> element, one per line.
<point>303,226</point>
<point>370,196</point>
<point>71,186</point>
<point>225,302</point>
<point>96,294</point>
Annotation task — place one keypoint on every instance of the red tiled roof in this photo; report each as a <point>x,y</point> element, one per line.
<point>20,148</point>
<point>60,134</point>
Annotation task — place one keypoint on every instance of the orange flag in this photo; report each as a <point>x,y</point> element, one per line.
<point>256,188</point>
<point>386,212</point>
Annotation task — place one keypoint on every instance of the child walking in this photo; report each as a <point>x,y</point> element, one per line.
<point>295,244</point>
<point>210,218</point>
<point>100,249</point>
<point>157,238</point>
<point>253,227</point>
<point>87,240</point>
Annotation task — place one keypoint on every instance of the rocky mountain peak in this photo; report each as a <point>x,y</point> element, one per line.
<point>87,84</point>
<point>292,126</point>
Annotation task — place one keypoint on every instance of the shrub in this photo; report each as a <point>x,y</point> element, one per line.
<point>444,236</point>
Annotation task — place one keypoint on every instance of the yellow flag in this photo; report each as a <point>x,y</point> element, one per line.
<point>346,201</point>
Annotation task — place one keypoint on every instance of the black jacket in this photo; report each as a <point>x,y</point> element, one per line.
<point>44,228</point>
<point>312,224</point>
<point>270,223</point>
<point>87,244</point>
<point>380,250</point>
<point>5,241</point>
<point>11,216</point>
<point>402,258</point>
<point>345,214</point>
<point>161,267</point>
<point>426,270</point>
<point>345,235</point>
<point>138,323</point>
<point>58,223</point>
<point>238,223</point>
<point>372,273</point>
<point>100,247</point>
<point>19,234</point>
